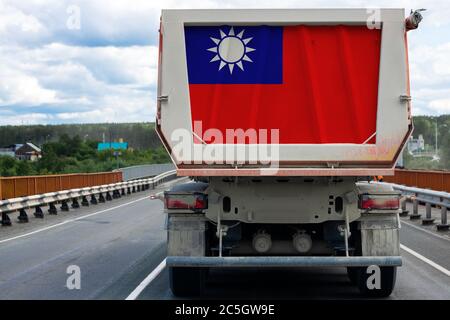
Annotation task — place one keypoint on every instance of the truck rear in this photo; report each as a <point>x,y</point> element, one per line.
<point>279,117</point>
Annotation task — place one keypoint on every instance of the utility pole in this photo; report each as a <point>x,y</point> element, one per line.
<point>400,162</point>
<point>436,140</point>
<point>117,154</point>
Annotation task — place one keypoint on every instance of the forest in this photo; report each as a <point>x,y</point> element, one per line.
<point>138,135</point>
<point>72,148</point>
<point>436,133</point>
<point>75,155</point>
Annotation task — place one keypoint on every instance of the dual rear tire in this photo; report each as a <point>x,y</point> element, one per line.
<point>364,280</point>
<point>186,282</point>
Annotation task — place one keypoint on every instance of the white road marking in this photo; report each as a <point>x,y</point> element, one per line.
<point>71,220</point>
<point>136,292</point>
<point>425,230</point>
<point>426,260</point>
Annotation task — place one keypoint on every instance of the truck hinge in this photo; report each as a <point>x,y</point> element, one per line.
<point>405,98</point>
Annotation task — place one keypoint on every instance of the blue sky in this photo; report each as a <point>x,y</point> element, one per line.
<point>106,70</point>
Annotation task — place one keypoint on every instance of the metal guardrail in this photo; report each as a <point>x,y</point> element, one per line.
<point>429,197</point>
<point>425,179</point>
<point>97,194</point>
<point>144,171</point>
<point>23,186</point>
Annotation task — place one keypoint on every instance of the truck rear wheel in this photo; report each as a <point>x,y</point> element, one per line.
<point>387,282</point>
<point>187,281</point>
<point>352,274</point>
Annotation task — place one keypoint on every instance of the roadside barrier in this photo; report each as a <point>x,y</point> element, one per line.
<point>76,197</point>
<point>23,186</point>
<point>144,171</point>
<point>425,179</point>
<point>429,198</point>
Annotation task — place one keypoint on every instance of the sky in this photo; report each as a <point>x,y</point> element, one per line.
<point>55,68</point>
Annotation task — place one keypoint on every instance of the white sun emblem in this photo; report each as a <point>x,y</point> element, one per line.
<point>231,50</point>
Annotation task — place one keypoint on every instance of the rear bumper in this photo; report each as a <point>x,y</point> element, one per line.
<point>242,262</point>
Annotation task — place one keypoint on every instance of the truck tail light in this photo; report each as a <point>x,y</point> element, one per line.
<point>379,202</point>
<point>191,201</point>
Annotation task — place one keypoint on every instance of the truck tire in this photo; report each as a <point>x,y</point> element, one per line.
<point>387,282</point>
<point>352,274</point>
<point>187,281</point>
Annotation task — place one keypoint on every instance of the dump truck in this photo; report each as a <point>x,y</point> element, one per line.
<point>280,118</point>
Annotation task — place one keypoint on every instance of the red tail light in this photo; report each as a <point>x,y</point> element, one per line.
<point>380,202</point>
<point>196,201</point>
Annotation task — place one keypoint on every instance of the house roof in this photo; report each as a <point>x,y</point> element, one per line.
<point>36,148</point>
<point>26,147</point>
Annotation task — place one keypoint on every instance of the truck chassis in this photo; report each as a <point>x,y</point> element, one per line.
<point>290,222</point>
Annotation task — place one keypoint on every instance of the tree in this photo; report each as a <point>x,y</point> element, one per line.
<point>7,166</point>
<point>445,150</point>
<point>24,168</point>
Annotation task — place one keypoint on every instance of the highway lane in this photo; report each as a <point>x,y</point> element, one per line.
<point>416,279</point>
<point>117,248</point>
<point>113,250</point>
<point>434,248</point>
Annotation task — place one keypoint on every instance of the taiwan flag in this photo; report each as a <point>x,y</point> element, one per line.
<point>315,84</point>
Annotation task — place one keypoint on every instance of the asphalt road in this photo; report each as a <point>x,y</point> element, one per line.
<point>118,244</point>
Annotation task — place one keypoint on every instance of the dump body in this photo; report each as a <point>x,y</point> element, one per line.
<point>319,92</point>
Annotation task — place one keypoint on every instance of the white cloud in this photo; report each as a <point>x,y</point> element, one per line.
<point>441,105</point>
<point>430,101</point>
<point>19,88</point>
<point>430,64</point>
<point>124,22</point>
<point>17,26</point>
<point>133,64</point>
<point>84,84</point>
<point>25,119</point>
<point>15,20</point>
<point>107,70</point>
<point>430,78</point>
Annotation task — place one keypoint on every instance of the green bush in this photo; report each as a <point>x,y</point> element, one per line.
<point>72,155</point>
